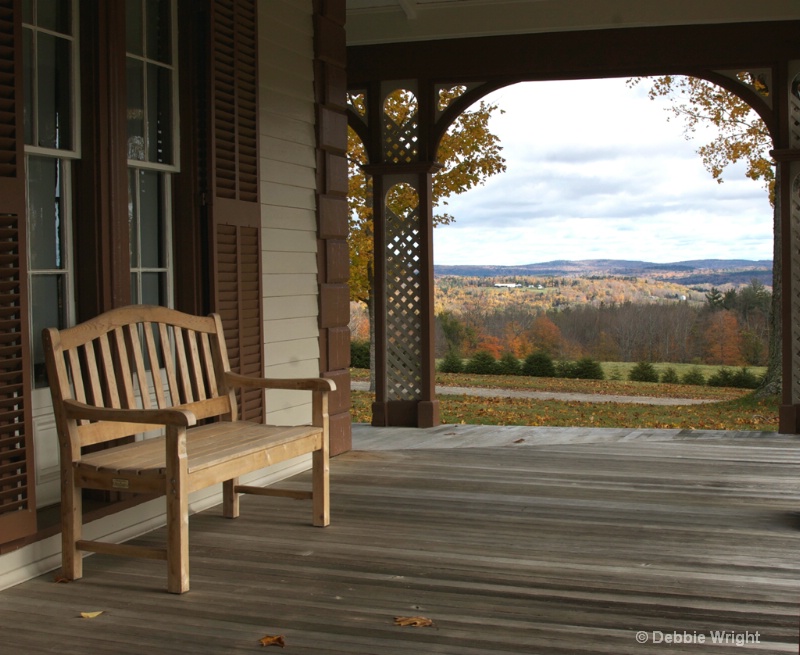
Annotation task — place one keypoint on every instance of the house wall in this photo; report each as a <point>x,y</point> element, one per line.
<point>288,204</point>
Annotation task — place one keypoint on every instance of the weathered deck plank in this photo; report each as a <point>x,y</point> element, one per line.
<point>567,542</point>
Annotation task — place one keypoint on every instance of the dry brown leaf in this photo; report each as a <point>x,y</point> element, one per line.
<point>60,579</point>
<point>413,621</point>
<point>90,615</point>
<point>277,640</point>
<point>520,441</point>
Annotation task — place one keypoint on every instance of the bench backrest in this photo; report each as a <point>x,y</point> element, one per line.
<point>108,362</point>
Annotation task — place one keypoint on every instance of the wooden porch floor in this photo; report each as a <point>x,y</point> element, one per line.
<point>512,540</point>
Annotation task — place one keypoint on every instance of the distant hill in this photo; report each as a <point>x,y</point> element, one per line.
<point>696,272</point>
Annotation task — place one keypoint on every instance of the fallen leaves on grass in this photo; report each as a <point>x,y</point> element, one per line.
<point>269,640</point>
<point>743,414</point>
<point>413,621</point>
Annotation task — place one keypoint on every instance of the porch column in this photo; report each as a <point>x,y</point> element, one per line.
<point>787,156</point>
<point>404,314</point>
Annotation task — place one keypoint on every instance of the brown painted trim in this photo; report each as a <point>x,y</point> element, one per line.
<point>101,218</point>
<point>333,272</point>
<point>190,220</point>
<point>579,55</point>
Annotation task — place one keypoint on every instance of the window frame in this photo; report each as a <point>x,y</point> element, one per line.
<point>75,151</point>
<point>173,167</point>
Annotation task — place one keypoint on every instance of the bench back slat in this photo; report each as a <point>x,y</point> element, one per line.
<point>92,375</point>
<point>123,367</point>
<point>109,373</point>
<point>95,363</point>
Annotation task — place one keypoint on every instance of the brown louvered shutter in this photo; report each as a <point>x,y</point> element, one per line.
<point>17,500</point>
<point>234,208</point>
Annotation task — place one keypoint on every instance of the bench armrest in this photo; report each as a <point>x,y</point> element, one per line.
<point>292,384</point>
<point>176,417</point>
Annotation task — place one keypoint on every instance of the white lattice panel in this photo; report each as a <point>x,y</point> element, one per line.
<point>403,307</point>
<point>795,283</point>
<point>794,143</point>
<point>400,141</point>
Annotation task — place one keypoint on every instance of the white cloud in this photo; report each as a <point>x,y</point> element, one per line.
<point>595,170</point>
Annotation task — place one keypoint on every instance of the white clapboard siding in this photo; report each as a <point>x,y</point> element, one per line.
<point>288,187</point>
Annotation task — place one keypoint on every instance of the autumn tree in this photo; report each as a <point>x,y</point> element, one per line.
<point>741,136</point>
<point>469,154</point>
<point>723,341</point>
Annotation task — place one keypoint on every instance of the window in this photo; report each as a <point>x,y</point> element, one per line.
<point>152,145</point>
<point>151,81</point>
<point>148,216</point>
<point>51,144</point>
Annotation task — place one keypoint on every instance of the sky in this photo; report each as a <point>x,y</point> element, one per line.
<point>595,170</point>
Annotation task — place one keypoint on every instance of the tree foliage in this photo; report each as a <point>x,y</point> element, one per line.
<point>469,153</point>
<point>740,134</point>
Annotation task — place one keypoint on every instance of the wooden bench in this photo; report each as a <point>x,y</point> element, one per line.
<point>105,388</point>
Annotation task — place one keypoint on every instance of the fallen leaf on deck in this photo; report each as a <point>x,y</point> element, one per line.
<point>413,621</point>
<point>90,615</point>
<point>277,640</point>
<point>520,441</point>
<point>60,579</point>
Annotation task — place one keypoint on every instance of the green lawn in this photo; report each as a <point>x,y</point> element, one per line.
<point>733,409</point>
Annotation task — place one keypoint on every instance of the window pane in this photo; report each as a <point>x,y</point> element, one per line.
<point>159,30</point>
<point>153,289</point>
<point>159,114</point>
<point>54,91</point>
<point>135,289</point>
<point>27,66</point>
<point>45,213</point>
<point>47,298</point>
<point>133,27</point>
<point>133,217</point>
<point>54,15</point>
<point>151,219</point>
<point>27,11</point>
<point>135,79</point>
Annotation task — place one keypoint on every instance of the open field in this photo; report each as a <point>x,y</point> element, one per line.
<point>734,409</point>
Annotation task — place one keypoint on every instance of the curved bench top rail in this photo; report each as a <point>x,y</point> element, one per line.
<point>133,314</point>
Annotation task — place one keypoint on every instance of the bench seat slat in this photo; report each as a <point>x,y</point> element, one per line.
<point>207,446</point>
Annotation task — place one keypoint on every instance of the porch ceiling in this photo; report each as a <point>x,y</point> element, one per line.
<point>393,21</point>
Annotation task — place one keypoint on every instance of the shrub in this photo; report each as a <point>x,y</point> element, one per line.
<point>452,362</point>
<point>588,369</point>
<point>745,379</point>
<point>540,365</point>
<point>741,379</point>
<point>359,354</point>
<point>643,372</point>
<point>565,370</point>
<point>509,365</point>
<point>722,378</point>
<point>693,376</point>
<point>481,363</point>
<point>670,376</point>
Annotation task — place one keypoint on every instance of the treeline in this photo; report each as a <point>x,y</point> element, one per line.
<point>730,328</point>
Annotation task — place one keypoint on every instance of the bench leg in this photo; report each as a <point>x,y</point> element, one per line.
<point>71,525</point>
<point>321,496</point>
<point>177,541</point>
<point>230,499</point>
<point>177,512</point>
